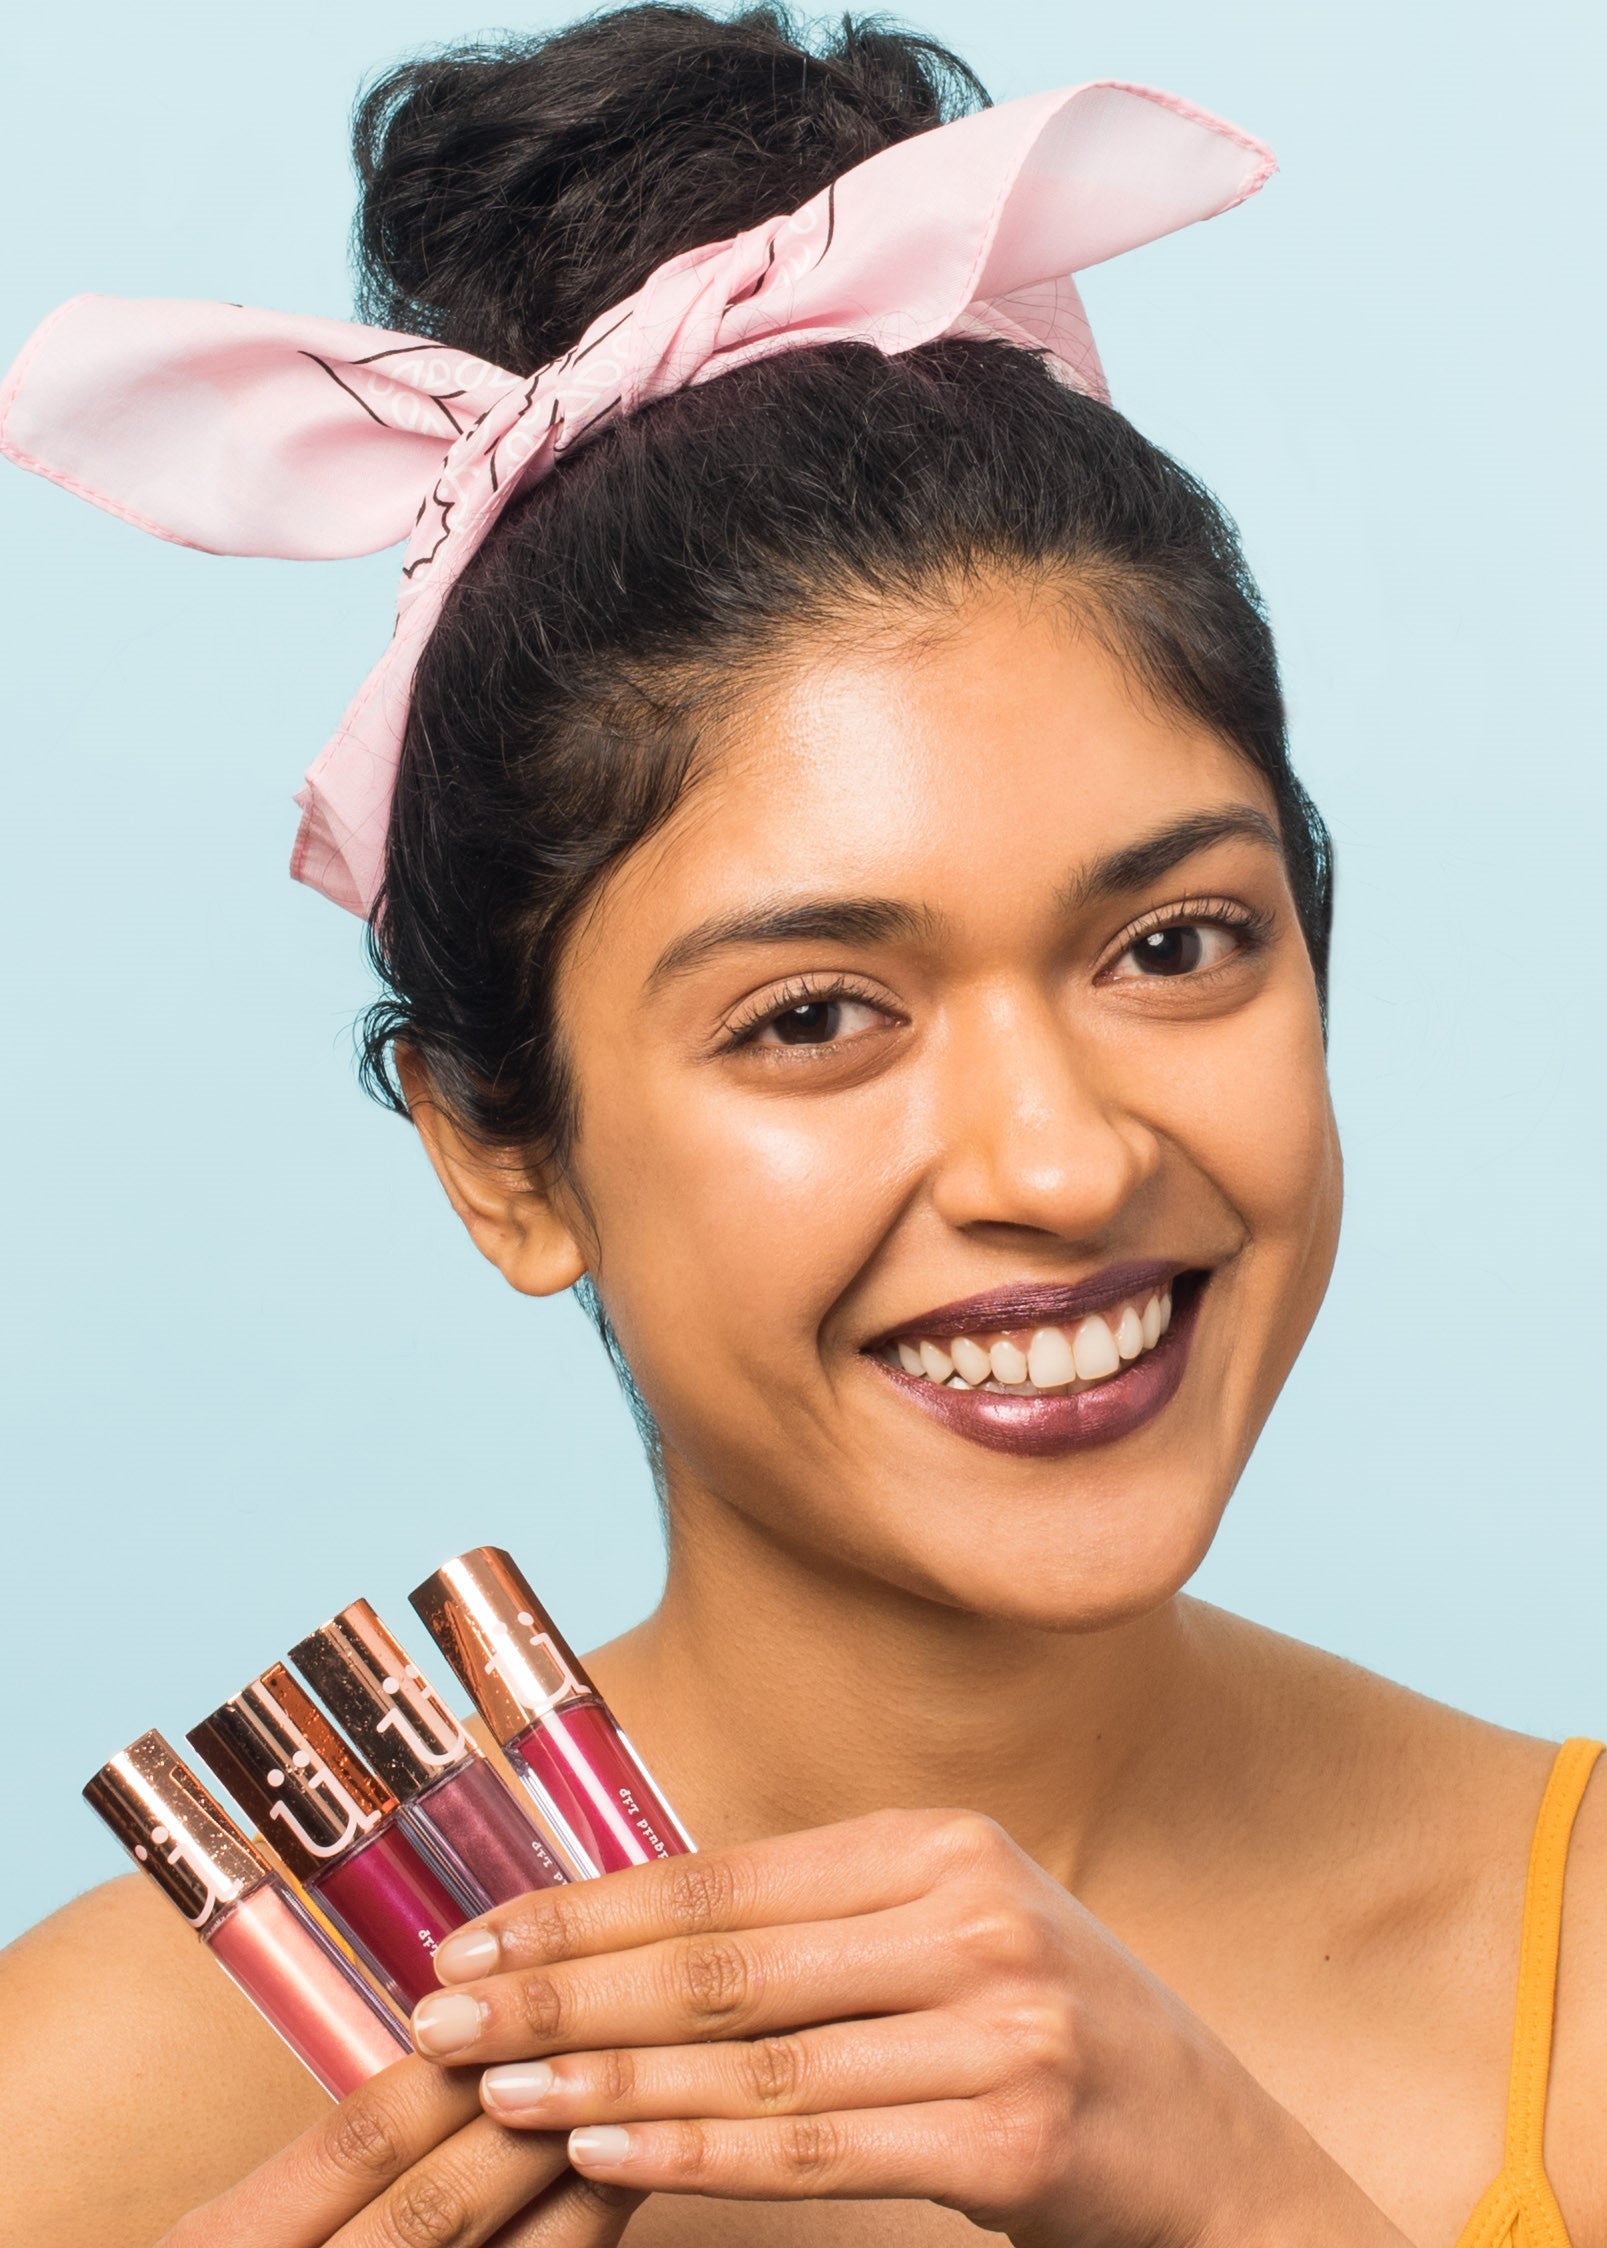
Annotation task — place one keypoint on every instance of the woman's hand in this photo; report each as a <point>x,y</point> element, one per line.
<point>904,2006</point>
<point>409,2161</point>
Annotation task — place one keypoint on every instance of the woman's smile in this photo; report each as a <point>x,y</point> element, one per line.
<point>1040,1369</point>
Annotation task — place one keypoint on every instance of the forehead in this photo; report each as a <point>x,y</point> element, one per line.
<point>968,763</point>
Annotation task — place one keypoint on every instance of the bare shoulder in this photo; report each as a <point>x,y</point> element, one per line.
<point>135,2079</point>
<point>1432,1814</point>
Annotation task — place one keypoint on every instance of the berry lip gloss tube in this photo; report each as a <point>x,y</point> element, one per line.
<point>333,1826</point>
<point>481,1835</point>
<point>556,1730</point>
<point>261,1935</point>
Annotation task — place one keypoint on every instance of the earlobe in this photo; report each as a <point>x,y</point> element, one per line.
<point>514,1216</point>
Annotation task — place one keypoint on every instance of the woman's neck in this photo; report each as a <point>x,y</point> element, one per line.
<point>774,1695</point>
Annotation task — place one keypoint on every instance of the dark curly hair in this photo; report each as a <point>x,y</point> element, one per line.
<point>510,193</point>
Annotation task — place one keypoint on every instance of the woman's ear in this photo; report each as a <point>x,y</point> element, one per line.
<point>513,1215</point>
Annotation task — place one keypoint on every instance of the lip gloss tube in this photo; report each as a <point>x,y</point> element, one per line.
<point>557,1732</point>
<point>482,1836</point>
<point>260,1934</point>
<point>333,1825</point>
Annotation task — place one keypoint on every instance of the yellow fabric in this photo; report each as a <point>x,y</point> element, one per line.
<point>1520,2210</point>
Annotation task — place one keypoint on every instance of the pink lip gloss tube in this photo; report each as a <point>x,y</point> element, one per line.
<point>556,1730</point>
<point>260,1934</point>
<point>333,1826</point>
<point>481,1835</point>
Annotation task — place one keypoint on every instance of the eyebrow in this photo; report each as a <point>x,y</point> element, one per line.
<point>815,920</point>
<point>851,921</point>
<point>1138,864</point>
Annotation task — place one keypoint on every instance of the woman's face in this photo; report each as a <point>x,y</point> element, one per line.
<point>962,1003</point>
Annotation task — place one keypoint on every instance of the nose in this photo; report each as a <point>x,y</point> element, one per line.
<point>1032,1132</point>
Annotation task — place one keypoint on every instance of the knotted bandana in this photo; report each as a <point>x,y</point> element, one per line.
<point>245,432</point>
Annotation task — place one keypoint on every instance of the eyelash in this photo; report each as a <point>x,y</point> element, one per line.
<point>1253,928</point>
<point>802,991</point>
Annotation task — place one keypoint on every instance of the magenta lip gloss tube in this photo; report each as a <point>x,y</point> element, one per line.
<point>261,1935</point>
<point>481,1835</point>
<point>333,1826</point>
<point>557,1732</point>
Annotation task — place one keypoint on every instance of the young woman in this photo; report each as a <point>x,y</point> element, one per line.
<point>845,904</point>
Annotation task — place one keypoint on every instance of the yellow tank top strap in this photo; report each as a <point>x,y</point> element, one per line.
<point>1520,2209</point>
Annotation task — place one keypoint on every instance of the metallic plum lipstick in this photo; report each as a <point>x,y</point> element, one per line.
<point>482,1836</point>
<point>556,1730</point>
<point>1053,1423</point>
<point>333,1825</point>
<point>260,1934</point>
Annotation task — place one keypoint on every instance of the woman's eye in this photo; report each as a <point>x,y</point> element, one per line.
<point>818,1022</point>
<point>1180,949</point>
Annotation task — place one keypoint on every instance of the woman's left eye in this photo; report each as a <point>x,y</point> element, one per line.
<point>1181,948</point>
<point>817,1022</point>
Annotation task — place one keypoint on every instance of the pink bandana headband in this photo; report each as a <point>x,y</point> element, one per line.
<point>244,432</point>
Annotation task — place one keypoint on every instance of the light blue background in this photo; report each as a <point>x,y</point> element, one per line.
<point>250,1367</point>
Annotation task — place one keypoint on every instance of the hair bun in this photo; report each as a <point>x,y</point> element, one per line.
<point>511,192</point>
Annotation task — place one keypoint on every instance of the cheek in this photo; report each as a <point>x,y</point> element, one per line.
<point>1247,1104</point>
<point>732,1222</point>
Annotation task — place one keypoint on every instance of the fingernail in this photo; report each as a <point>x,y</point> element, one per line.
<point>471,1952</point>
<point>603,2146</point>
<point>511,2090</point>
<point>447,2022</point>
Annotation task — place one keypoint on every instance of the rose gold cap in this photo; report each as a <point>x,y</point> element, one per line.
<point>284,1764</point>
<point>371,1687</point>
<point>499,1639</point>
<point>175,1829</point>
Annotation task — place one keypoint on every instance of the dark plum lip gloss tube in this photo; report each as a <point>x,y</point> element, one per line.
<point>258,1931</point>
<point>481,1835</point>
<point>557,1732</point>
<point>333,1826</point>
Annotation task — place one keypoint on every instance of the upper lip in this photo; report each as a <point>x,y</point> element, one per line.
<point>1035,1303</point>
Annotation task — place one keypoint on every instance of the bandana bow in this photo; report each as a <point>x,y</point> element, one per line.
<point>246,432</point>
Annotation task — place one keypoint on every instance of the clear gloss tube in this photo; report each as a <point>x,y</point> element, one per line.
<point>258,1931</point>
<point>555,1729</point>
<point>484,1837</point>
<point>333,1825</point>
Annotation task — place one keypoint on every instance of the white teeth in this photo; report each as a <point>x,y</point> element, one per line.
<point>1009,1362</point>
<point>1050,1364</point>
<point>1094,1348</point>
<point>1052,1359</point>
<point>970,1359</point>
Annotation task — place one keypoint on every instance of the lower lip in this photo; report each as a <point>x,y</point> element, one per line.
<point>1045,1427</point>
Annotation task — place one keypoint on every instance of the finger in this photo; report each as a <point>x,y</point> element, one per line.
<point>303,2194</point>
<point>463,2192</point>
<point>862,1866</point>
<point>889,2154</point>
<point>577,2213</point>
<point>693,1989</point>
<point>893,2063</point>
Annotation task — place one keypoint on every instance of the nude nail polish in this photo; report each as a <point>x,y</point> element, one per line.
<point>521,2085</point>
<point>446,2022</point>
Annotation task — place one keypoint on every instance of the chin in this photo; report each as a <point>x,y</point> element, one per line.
<point>1074,1586</point>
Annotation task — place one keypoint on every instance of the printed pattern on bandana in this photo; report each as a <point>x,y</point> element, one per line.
<point>250,432</point>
